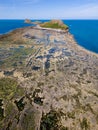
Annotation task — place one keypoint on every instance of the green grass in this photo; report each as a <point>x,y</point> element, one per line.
<point>9,108</point>
<point>7,88</point>
<point>54,25</point>
<point>9,92</point>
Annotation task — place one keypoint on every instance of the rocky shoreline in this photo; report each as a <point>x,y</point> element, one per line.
<point>55,81</point>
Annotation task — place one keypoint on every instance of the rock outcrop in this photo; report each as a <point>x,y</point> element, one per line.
<point>47,82</point>
<point>28,21</point>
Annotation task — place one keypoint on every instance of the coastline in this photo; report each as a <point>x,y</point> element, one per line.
<point>54,30</point>
<point>83,39</point>
<point>58,30</point>
<point>52,75</point>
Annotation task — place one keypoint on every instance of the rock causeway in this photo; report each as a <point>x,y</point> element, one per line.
<point>47,81</point>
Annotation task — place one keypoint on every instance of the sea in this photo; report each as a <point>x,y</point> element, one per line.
<point>85,32</point>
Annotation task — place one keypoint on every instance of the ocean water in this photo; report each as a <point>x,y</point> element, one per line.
<point>8,25</point>
<point>85,31</point>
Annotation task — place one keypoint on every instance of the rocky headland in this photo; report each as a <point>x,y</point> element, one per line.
<point>47,81</point>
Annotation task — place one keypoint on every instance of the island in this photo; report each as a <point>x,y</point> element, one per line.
<point>55,24</point>
<point>47,81</point>
<point>28,21</point>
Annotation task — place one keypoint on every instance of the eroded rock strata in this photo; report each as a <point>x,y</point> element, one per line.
<point>47,82</point>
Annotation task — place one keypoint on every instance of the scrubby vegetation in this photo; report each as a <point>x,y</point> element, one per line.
<point>56,24</point>
<point>9,92</point>
<point>8,87</point>
<point>84,124</point>
<point>50,121</point>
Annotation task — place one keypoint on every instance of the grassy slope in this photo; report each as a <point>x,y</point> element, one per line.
<point>54,25</point>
